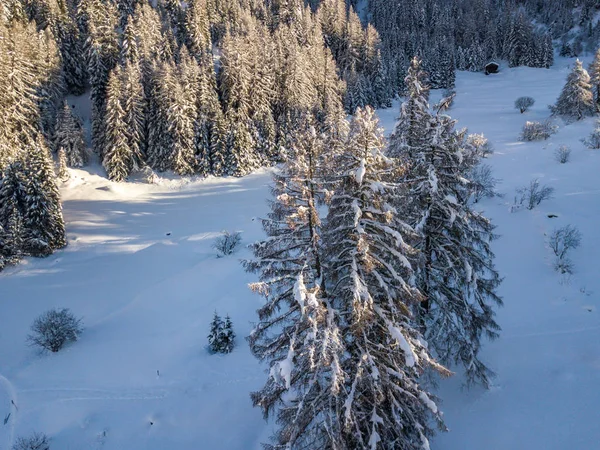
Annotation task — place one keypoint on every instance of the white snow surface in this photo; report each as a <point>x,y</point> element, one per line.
<point>147,299</point>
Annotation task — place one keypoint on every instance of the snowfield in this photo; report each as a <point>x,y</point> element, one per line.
<point>141,271</point>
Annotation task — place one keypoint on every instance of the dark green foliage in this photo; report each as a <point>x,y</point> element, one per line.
<point>221,338</point>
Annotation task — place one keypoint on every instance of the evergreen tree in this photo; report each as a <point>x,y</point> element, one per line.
<point>297,331</point>
<point>12,195</point>
<point>409,133</point>
<point>118,158</point>
<point>44,228</point>
<point>381,404</point>
<point>71,51</point>
<point>228,336</point>
<point>134,107</point>
<point>594,72</point>
<point>456,274</point>
<point>62,172</point>
<point>576,100</point>
<point>216,334</point>
<point>69,136</point>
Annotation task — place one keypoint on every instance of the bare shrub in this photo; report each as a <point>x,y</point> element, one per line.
<point>227,243</point>
<point>524,103</point>
<point>480,144</point>
<point>560,242</point>
<point>537,131</point>
<point>562,154</point>
<point>483,183</point>
<point>593,140</point>
<point>532,195</point>
<point>55,328</point>
<point>37,441</point>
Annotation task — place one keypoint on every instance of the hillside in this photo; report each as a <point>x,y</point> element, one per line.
<point>141,270</point>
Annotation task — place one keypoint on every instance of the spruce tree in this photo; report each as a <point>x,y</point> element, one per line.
<point>297,332</point>
<point>71,51</point>
<point>62,170</point>
<point>134,107</point>
<point>44,228</point>
<point>228,336</point>
<point>594,72</point>
<point>576,100</point>
<point>409,133</point>
<point>69,136</point>
<point>12,197</point>
<point>381,404</point>
<point>216,334</point>
<point>118,158</point>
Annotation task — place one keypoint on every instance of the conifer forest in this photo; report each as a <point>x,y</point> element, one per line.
<point>299,224</point>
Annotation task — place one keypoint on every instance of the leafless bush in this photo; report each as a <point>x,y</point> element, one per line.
<point>483,183</point>
<point>524,103</point>
<point>37,441</point>
<point>537,131</point>
<point>55,328</point>
<point>227,243</point>
<point>480,144</point>
<point>593,140</point>
<point>564,239</point>
<point>532,195</point>
<point>560,242</point>
<point>562,154</point>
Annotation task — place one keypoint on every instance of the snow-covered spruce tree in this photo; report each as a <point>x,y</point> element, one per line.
<point>215,334</point>
<point>62,171</point>
<point>171,142</point>
<point>210,122</point>
<point>594,72</point>
<point>241,156</point>
<point>456,275</point>
<point>102,53</point>
<point>43,225</point>
<point>12,195</point>
<point>156,124</point>
<point>134,107</point>
<point>381,404</point>
<point>69,135</point>
<point>409,133</point>
<point>228,336</point>
<point>52,86</point>
<point>576,100</point>
<point>297,332</point>
<point>71,51</point>
<point>118,158</point>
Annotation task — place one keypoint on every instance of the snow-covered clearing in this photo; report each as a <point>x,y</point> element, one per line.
<point>141,271</point>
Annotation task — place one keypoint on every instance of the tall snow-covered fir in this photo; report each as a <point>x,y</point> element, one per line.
<point>455,274</point>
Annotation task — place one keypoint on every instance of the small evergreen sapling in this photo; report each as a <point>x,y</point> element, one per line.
<point>221,338</point>
<point>228,336</point>
<point>216,331</point>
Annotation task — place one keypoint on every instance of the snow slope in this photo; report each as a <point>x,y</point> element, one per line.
<point>140,270</point>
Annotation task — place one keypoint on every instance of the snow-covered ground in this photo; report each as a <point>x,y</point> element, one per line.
<point>141,271</point>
